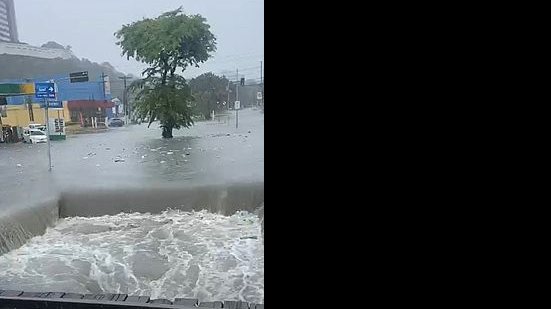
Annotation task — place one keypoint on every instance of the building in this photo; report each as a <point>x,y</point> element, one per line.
<point>8,25</point>
<point>82,103</point>
<point>9,39</point>
<point>34,51</point>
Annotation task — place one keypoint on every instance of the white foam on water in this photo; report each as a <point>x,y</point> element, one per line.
<point>168,255</point>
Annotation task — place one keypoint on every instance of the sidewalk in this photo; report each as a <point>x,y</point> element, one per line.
<point>70,130</point>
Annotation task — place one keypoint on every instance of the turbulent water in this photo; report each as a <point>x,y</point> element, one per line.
<point>174,254</point>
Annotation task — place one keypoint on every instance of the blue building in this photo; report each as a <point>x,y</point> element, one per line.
<point>92,90</point>
<point>83,99</point>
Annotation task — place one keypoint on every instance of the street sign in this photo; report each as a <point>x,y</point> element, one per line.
<point>259,95</point>
<point>237,105</point>
<point>107,85</point>
<point>79,77</point>
<point>16,89</point>
<point>44,90</point>
<point>52,104</point>
<point>59,125</point>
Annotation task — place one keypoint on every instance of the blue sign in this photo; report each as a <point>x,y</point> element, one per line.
<point>52,104</point>
<point>44,90</point>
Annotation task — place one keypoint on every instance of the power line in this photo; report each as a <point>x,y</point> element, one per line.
<point>237,56</point>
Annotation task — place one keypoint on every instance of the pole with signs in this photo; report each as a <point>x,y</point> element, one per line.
<point>48,134</point>
<point>236,105</point>
<point>46,91</point>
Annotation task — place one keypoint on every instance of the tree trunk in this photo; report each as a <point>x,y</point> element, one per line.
<point>167,132</point>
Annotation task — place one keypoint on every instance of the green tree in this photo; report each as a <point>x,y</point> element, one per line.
<point>167,44</point>
<point>209,92</point>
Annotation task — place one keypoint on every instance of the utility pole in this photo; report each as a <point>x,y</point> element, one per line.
<point>103,84</point>
<point>124,101</point>
<point>237,99</point>
<point>228,89</point>
<point>1,125</point>
<point>261,85</point>
<point>48,134</point>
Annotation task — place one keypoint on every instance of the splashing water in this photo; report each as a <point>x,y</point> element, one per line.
<point>173,254</point>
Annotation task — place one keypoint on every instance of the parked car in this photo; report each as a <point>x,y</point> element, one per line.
<point>34,136</point>
<point>116,122</point>
<point>36,126</point>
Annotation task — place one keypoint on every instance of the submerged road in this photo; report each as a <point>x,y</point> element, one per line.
<point>135,156</point>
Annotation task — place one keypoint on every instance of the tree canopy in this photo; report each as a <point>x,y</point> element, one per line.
<point>209,93</point>
<point>167,44</point>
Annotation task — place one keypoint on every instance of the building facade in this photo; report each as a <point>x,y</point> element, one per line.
<point>8,24</point>
<point>84,104</point>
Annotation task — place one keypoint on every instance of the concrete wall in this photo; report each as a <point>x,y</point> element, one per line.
<point>18,225</point>
<point>20,222</point>
<point>223,199</point>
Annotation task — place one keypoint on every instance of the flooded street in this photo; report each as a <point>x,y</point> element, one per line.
<point>95,209</point>
<point>194,254</point>
<point>135,156</point>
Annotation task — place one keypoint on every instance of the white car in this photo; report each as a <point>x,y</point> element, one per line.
<point>34,136</point>
<point>36,126</point>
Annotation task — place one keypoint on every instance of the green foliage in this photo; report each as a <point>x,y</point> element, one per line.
<point>170,42</point>
<point>169,103</point>
<point>209,91</point>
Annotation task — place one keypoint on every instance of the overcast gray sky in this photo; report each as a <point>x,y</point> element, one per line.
<point>88,26</point>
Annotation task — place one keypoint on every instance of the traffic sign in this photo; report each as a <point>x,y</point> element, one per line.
<point>44,90</point>
<point>237,105</point>
<point>79,77</point>
<point>52,104</point>
<point>259,95</point>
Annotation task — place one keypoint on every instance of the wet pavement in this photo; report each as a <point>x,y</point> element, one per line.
<point>136,157</point>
